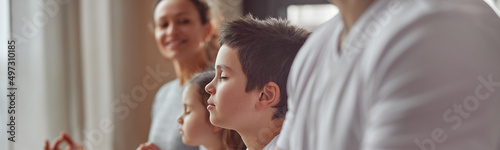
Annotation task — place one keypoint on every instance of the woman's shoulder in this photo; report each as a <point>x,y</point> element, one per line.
<point>169,90</point>
<point>174,84</point>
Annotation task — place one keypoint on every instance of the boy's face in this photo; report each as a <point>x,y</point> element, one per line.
<point>230,106</point>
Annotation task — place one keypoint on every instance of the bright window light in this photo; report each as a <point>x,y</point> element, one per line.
<point>311,16</point>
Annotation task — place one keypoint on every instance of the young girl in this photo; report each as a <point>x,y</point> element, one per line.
<point>196,128</point>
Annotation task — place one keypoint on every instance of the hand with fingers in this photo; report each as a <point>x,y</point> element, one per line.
<point>63,138</point>
<point>148,146</point>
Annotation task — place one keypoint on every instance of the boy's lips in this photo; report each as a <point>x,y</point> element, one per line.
<point>211,105</point>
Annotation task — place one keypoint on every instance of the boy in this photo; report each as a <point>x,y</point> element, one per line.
<point>248,93</point>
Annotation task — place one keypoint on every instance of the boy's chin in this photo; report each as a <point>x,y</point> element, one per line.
<point>214,121</point>
<point>218,122</point>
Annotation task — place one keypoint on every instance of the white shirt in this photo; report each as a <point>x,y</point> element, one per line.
<point>413,74</point>
<point>272,144</point>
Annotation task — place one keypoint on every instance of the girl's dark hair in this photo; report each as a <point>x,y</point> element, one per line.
<point>230,138</point>
<point>201,80</point>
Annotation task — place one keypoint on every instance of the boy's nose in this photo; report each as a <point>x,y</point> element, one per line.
<point>209,88</point>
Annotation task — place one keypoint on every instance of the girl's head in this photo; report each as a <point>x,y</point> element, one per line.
<point>195,123</point>
<point>183,29</point>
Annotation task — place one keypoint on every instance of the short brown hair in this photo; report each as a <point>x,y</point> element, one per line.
<point>266,49</point>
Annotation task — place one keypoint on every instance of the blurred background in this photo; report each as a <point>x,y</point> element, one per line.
<point>91,67</point>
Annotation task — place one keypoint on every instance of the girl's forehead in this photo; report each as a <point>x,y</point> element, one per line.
<point>191,94</point>
<point>190,86</point>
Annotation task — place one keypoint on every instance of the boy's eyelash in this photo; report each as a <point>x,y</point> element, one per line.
<point>221,77</point>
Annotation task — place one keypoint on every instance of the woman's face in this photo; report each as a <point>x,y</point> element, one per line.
<point>179,32</point>
<point>195,126</point>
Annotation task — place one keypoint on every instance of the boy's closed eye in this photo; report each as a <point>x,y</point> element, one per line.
<point>223,76</point>
<point>222,69</point>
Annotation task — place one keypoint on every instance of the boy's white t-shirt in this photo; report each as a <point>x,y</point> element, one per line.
<point>272,144</point>
<point>412,74</point>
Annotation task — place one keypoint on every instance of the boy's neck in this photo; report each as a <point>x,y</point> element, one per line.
<point>215,146</point>
<point>258,138</point>
<point>214,143</point>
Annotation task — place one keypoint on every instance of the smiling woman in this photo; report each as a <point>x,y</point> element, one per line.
<point>184,33</point>
<point>182,30</point>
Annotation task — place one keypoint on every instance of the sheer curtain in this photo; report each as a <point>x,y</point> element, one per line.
<point>90,68</point>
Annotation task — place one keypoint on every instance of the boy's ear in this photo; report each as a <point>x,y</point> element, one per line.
<point>269,96</point>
